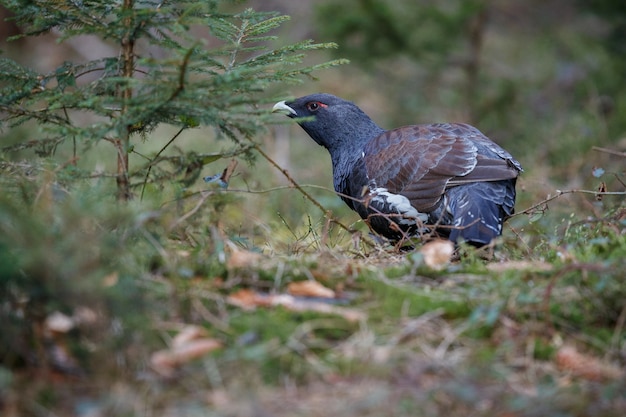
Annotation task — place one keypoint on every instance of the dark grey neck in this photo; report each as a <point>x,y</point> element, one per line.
<point>350,140</point>
<point>346,154</point>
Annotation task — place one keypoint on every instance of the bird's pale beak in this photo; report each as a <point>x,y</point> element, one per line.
<point>282,107</point>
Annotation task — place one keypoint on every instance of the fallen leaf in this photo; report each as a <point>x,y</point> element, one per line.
<point>188,344</point>
<point>187,334</point>
<point>293,304</point>
<point>437,253</point>
<point>166,361</point>
<point>58,322</point>
<point>309,289</point>
<point>585,366</point>
<point>248,299</point>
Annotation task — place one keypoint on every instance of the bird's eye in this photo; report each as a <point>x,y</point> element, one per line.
<point>314,105</point>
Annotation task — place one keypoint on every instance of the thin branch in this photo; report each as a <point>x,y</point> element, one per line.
<point>605,220</point>
<point>301,190</point>
<point>609,151</point>
<point>191,212</point>
<point>74,154</point>
<point>150,165</point>
<point>560,193</point>
<point>181,76</point>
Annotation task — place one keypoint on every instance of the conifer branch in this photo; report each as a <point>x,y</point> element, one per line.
<point>139,90</point>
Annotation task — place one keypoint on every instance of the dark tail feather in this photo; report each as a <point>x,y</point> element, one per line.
<point>477,212</point>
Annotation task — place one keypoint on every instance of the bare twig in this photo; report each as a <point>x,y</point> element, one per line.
<point>619,179</point>
<point>560,193</point>
<point>613,218</point>
<point>191,212</point>
<point>302,190</point>
<point>150,165</point>
<point>609,151</point>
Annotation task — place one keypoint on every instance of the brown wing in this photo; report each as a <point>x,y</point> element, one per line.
<point>421,161</point>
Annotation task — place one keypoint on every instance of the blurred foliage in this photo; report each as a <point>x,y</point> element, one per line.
<point>371,30</point>
<point>614,13</point>
<point>378,34</point>
<point>612,84</point>
<point>67,253</point>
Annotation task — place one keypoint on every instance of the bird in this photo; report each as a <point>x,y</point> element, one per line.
<point>445,180</point>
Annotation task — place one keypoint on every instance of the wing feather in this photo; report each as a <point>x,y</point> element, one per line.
<point>422,161</point>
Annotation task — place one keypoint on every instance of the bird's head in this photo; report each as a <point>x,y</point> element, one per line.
<point>329,120</point>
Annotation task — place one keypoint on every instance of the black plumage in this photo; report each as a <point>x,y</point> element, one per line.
<point>444,178</point>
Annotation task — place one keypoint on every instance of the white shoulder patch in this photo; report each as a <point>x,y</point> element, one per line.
<point>400,204</point>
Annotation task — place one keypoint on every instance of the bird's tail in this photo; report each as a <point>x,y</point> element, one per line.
<point>478,211</point>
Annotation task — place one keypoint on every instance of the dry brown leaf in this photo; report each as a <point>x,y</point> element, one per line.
<point>187,334</point>
<point>437,253</point>
<point>309,289</point>
<point>585,366</point>
<point>166,361</point>
<point>248,299</point>
<point>293,304</point>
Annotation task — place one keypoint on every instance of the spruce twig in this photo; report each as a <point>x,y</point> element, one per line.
<point>327,213</point>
